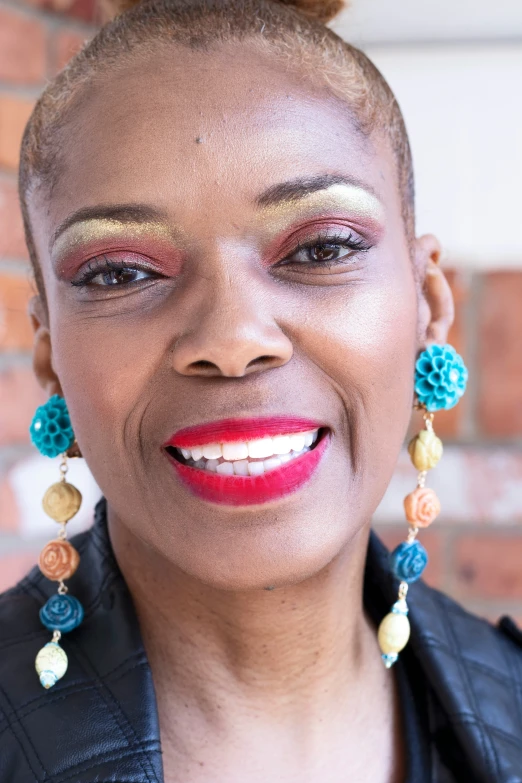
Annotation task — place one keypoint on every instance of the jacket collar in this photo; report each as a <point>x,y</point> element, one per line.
<point>473,675</point>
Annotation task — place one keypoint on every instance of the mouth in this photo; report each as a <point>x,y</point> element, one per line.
<point>244,462</point>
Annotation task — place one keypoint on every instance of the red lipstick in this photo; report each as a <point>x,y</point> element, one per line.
<point>247,490</point>
<point>230,430</point>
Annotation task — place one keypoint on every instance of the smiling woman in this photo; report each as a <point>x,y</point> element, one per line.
<point>234,320</point>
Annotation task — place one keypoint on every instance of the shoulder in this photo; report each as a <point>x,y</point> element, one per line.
<point>474,670</point>
<point>443,624</point>
<point>99,722</point>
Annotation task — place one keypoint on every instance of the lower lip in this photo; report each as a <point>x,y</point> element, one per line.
<point>252,490</point>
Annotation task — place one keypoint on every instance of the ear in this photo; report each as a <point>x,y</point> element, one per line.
<point>436,306</point>
<point>42,350</point>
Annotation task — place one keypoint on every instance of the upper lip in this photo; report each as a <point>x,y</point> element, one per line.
<point>229,430</point>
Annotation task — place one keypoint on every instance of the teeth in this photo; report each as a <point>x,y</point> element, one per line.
<point>256,468</point>
<point>273,462</point>
<point>233,451</point>
<point>211,451</point>
<point>237,458</point>
<point>225,469</point>
<point>241,468</point>
<point>297,442</point>
<point>260,448</point>
<point>281,444</point>
<point>196,453</point>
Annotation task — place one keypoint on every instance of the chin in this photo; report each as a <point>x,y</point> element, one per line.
<point>270,559</point>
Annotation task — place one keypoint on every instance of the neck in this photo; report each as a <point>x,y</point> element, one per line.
<point>289,679</point>
<point>311,640</point>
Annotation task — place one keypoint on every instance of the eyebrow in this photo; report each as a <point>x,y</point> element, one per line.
<point>296,189</point>
<point>120,213</point>
<point>292,190</point>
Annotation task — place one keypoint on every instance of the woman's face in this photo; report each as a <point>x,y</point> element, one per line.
<point>233,248</point>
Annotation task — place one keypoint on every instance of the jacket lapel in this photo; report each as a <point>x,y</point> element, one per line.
<point>474,675</point>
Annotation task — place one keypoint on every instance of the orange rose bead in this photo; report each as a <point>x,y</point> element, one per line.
<point>58,560</point>
<point>422,506</point>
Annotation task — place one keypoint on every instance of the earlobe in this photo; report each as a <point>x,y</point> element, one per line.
<point>42,349</point>
<point>436,306</point>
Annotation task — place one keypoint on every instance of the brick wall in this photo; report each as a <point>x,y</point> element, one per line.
<point>475,547</point>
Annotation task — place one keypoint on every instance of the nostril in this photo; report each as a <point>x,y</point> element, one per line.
<point>203,364</point>
<point>263,361</point>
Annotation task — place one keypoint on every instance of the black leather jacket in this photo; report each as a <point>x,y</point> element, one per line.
<point>99,723</point>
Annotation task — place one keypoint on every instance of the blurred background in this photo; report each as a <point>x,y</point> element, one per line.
<point>456,68</point>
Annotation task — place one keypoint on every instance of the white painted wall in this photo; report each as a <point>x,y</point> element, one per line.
<point>378,21</point>
<point>463,109</point>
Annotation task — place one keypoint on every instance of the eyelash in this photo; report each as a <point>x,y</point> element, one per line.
<point>326,239</point>
<point>352,242</point>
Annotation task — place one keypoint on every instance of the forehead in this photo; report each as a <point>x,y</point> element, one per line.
<point>207,128</point>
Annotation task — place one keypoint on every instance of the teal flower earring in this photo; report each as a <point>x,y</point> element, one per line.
<point>52,434</point>
<point>51,430</point>
<point>440,381</point>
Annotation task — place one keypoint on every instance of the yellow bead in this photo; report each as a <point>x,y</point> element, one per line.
<point>51,664</point>
<point>425,450</point>
<point>62,501</point>
<point>393,634</point>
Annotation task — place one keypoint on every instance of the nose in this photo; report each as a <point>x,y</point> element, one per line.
<point>231,332</point>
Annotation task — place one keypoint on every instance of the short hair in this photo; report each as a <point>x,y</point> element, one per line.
<point>292,30</point>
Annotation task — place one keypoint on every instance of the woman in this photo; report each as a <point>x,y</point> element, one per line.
<point>233,310</point>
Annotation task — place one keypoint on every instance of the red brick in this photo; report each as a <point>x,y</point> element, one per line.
<point>488,566</point>
<point>12,241</point>
<point>500,355</point>
<point>9,514</point>
<point>432,540</point>
<point>15,566</point>
<point>22,48</point>
<point>80,9</point>
<point>14,113</point>
<point>16,332</point>
<point>65,44</point>
<point>20,395</point>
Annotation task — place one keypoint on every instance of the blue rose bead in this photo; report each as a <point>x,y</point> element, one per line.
<point>62,613</point>
<point>51,430</point>
<point>440,377</point>
<point>408,561</point>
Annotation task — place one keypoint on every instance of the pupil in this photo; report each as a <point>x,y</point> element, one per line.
<point>119,276</point>
<point>324,253</point>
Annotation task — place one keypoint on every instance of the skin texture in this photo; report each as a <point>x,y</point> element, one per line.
<point>285,684</point>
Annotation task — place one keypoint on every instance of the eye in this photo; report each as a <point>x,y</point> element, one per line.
<point>104,271</point>
<point>121,276</point>
<point>326,250</point>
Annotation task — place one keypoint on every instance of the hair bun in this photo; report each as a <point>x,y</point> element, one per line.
<point>320,10</point>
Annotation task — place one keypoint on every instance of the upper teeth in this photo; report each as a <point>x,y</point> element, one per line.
<point>253,449</point>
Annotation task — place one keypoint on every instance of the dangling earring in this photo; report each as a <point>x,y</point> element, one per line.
<point>440,381</point>
<point>52,434</point>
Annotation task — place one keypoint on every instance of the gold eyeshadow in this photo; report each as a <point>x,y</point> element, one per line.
<point>96,229</point>
<point>350,199</point>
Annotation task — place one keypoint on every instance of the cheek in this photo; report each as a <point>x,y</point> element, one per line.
<point>364,340</point>
<point>106,368</point>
